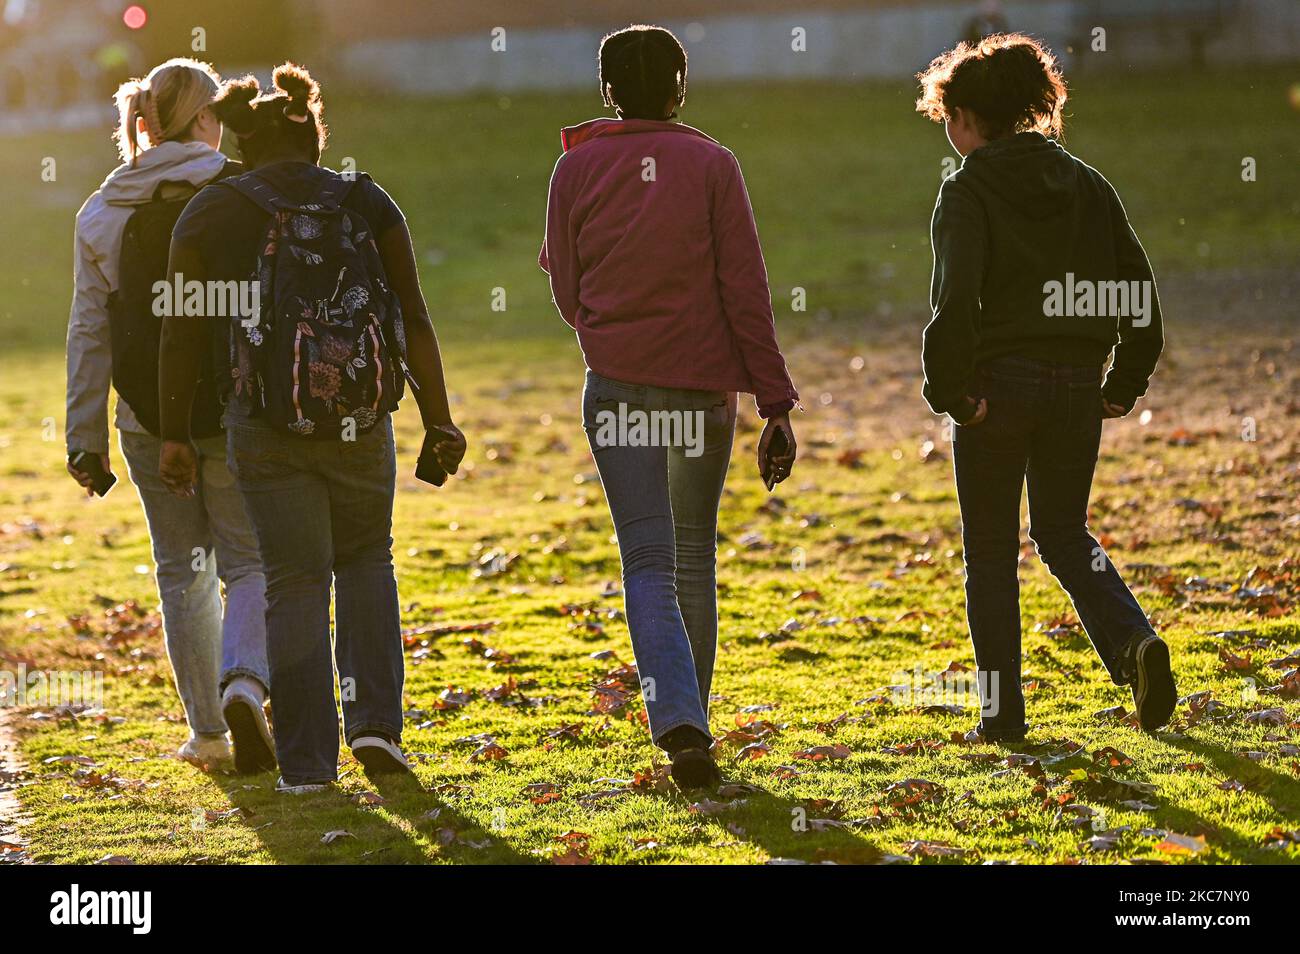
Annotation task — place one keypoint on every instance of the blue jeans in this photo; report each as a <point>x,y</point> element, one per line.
<point>200,543</point>
<point>323,511</point>
<point>664,503</point>
<point>1044,428</point>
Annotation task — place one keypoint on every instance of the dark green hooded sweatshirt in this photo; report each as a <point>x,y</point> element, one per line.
<point>1034,256</point>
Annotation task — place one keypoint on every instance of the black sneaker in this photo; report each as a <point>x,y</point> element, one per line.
<point>693,766</point>
<point>1152,680</point>
<point>695,769</point>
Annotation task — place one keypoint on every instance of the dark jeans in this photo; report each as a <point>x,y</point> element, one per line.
<point>663,497</point>
<point>1043,427</point>
<point>323,513</point>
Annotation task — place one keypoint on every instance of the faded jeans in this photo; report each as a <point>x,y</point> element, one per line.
<point>199,543</point>
<point>664,503</point>
<point>323,511</point>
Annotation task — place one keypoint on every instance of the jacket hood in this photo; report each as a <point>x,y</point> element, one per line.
<point>193,163</point>
<point>1027,171</point>
<point>573,136</point>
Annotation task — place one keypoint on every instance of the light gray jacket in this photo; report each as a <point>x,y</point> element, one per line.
<point>98,242</point>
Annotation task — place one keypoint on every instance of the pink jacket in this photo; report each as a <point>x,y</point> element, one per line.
<point>654,260</point>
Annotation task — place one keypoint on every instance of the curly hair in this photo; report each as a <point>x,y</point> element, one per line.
<point>287,117</point>
<point>1009,81</point>
<point>641,69</point>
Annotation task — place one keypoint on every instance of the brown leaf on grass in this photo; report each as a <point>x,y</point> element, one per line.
<point>738,790</point>
<point>915,747</point>
<point>367,798</point>
<point>933,849</point>
<point>453,697</point>
<point>1098,786</point>
<point>911,792</point>
<point>69,760</point>
<point>784,773</point>
<point>570,731</point>
<point>1289,687</point>
<point>820,753</point>
<point>489,752</point>
<point>1279,837</point>
<point>332,836</point>
<point>1176,844</point>
<point>1234,663</point>
<point>753,751</point>
<point>707,806</point>
<point>576,849</point>
<point>503,692</point>
<point>851,457</point>
<point>1111,757</point>
<point>948,709</point>
<point>654,779</point>
<point>1268,717</point>
<point>495,657</point>
<point>543,793</point>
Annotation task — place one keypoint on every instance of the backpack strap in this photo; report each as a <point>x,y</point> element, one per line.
<point>258,191</point>
<point>335,189</point>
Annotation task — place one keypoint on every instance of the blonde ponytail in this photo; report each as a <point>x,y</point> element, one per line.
<point>167,100</point>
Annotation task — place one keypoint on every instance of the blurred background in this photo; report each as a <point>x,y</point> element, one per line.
<point>456,108</point>
<point>67,53</point>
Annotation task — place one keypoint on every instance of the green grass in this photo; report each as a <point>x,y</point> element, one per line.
<point>867,531</point>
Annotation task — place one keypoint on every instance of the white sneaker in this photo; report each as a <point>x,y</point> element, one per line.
<point>306,788</point>
<point>242,706</point>
<point>205,751</point>
<point>379,756</point>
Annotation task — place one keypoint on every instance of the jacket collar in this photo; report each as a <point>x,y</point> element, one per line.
<point>573,136</point>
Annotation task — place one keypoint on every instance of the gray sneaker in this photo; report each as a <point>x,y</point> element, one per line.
<point>301,788</point>
<point>379,756</point>
<point>242,706</point>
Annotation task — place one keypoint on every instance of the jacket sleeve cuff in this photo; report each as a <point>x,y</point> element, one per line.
<point>776,408</point>
<point>963,410</point>
<point>1115,393</point>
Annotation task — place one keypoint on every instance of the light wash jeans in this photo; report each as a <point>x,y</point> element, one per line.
<point>199,543</point>
<point>664,503</point>
<point>324,515</point>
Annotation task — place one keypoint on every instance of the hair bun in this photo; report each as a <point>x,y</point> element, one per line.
<point>295,82</point>
<point>233,105</point>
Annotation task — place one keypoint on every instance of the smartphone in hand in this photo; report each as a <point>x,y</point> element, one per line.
<point>427,467</point>
<point>778,446</point>
<point>101,481</point>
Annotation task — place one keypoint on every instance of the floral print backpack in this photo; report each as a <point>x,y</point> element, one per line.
<point>325,357</point>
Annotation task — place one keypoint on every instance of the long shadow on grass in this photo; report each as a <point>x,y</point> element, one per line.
<point>1277,788</point>
<point>789,829</point>
<point>293,828</point>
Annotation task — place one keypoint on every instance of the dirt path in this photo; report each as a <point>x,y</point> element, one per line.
<point>13,847</point>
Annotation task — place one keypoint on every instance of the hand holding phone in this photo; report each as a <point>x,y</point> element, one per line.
<point>91,471</point>
<point>776,451</point>
<point>440,455</point>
